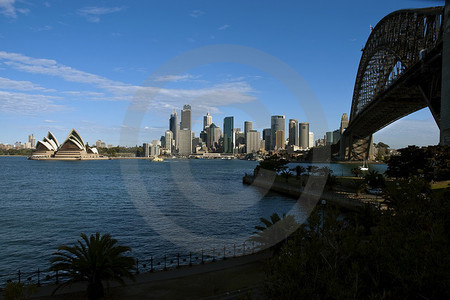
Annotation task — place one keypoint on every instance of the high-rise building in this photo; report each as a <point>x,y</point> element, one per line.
<point>336,136</point>
<point>173,126</point>
<point>280,143</point>
<point>32,141</point>
<point>344,123</point>
<point>213,136</point>
<point>311,140</point>
<point>253,141</point>
<point>207,120</point>
<point>293,132</point>
<point>228,135</point>
<point>329,138</point>
<point>146,147</point>
<point>186,117</point>
<point>304,135</point>
<point>276,124</point>
<point>168,137</point>
<point>248,125</point>
<point>185,142</point>
<point>267,133</point>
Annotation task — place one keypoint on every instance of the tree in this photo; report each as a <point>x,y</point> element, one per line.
<point>299,170</point>
<point>93,259</point>
<point>398,252</point>
<point>274,230</point>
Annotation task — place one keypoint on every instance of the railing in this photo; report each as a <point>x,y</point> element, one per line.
<point>151,264</point>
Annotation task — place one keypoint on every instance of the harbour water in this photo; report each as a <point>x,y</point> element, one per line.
<point>156,208</point>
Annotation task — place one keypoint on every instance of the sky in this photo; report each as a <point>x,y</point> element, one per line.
<point>108,68</point>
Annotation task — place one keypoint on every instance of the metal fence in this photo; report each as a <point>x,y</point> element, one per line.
<point>151,264</point>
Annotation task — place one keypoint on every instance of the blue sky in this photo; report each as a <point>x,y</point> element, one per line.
<point>81,64</point>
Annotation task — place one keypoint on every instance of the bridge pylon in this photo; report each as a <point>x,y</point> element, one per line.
<point>445,88</point>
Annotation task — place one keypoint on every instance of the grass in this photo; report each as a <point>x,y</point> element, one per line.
<point>440,185</point>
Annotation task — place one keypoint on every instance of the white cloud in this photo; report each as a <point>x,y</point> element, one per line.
<point>47,4</point>
<point>196,13</point>
<point>93,13</point>
<point>175,78</point>
<point>7,8</point>
<point>27,104</point>
<point>9,84</point>
<point>164,99</point>
<point>223,27</point>
<point>42,28</point>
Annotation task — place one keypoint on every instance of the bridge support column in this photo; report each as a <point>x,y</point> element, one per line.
<point>445,92</point>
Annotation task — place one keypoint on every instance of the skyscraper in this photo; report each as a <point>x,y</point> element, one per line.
<point>207,120</point>
<point>311,139</point>
<point>253,141</point>
<point>276,124</point>
<point>293,132</point>
<point>304,135</point>
<point>248,125</point>
<point>344,123</point>
<point>32,140</point>
<point>186,117</point>
<point>173,126</point>
<point>185,142</point>
<point>228,135</point>
<point>279,140</point>
<point>168,140</point>
<point>213,136</point>
<point>267,133</point>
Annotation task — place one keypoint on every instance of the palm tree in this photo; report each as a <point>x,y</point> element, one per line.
<point>93,259</point>
<point>274,230</point>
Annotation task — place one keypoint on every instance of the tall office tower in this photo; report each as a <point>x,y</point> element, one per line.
<point>173,126</point>
<point>98,143</point>
<point>168,137</point>
<point>280,143</point>
<point>32,140</point>
<point>253,141</point>
<point>293,132</point>
<point>328,138</point>
<point>276,124</point>
<point>248,125</point>
<point>146,147</point>
<point>185,142</point>
<point>311,139</point>
<point>228,135</point>
<point>304,135</point>
<point>207,120</point>
<point>186,117</point>
<point>344,123</point>
<point>267,133</point>
<point>336,136</point>
<point>213,136</point>
<point>204,135</point>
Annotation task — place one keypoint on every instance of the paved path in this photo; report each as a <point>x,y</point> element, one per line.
<point>140,288</point>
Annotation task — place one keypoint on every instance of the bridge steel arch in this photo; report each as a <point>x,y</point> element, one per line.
<point>400,72</point>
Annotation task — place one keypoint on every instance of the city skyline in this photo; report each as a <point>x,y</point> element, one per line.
<point>81,65</point>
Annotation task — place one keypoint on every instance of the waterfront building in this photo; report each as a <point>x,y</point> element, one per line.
<point>228,135</point>
<point>100,144</point>
<point>293,132</point>
<point>213,136</point>
<point>207,120</point>
<point>304,135</point>
<point>185,142</point>
<point>253,141</point>
<point>311,139</point>
<point>277,123</point>
<point>267,134</point>
<point>174,127</point>
<point>72,148</point>
<point>280,143</point>
<point>168,137</point>
<point>344,123</point>
<point>186,118</point>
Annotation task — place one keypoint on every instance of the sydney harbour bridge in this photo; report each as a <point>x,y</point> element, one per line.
<point>404,67</point>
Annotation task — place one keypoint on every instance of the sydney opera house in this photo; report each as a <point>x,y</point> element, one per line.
<point>73,148</point>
